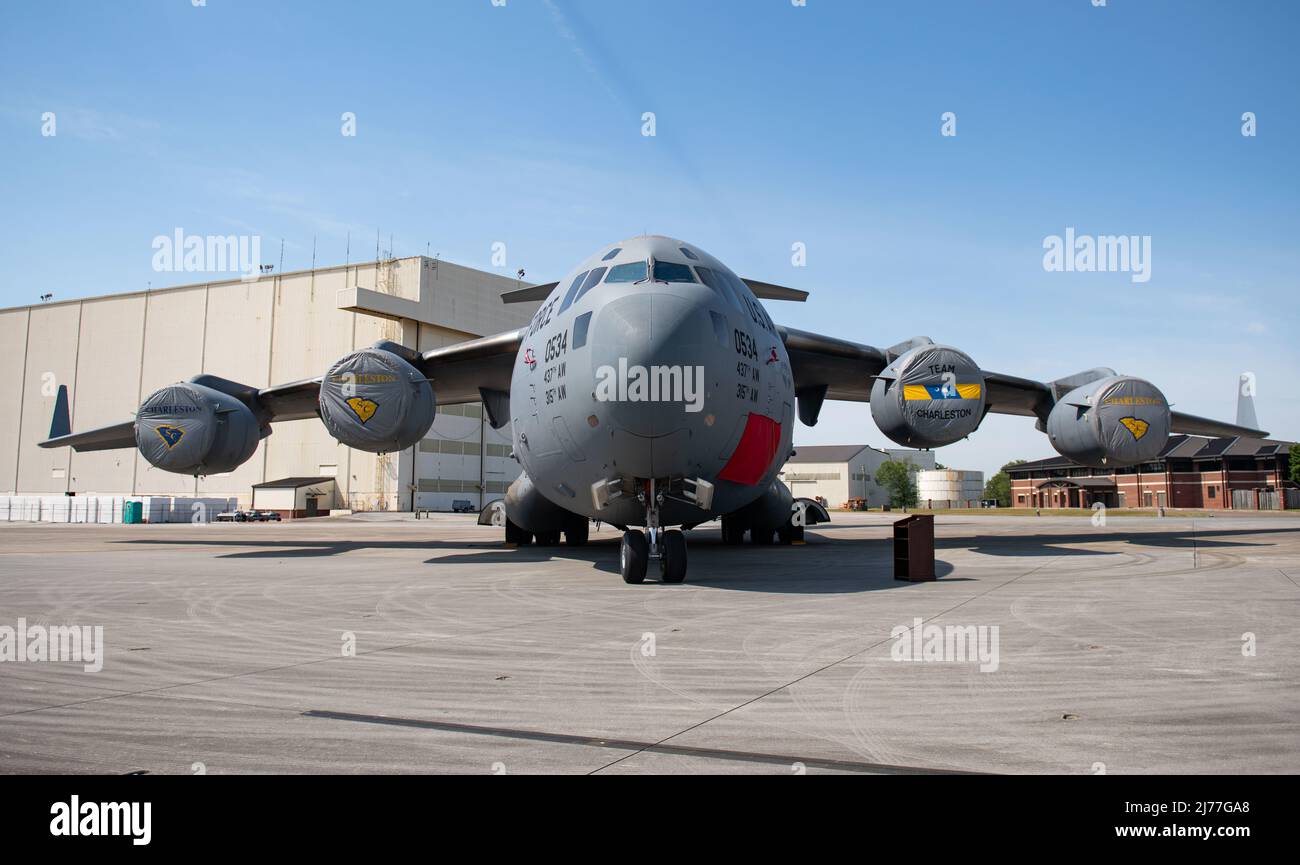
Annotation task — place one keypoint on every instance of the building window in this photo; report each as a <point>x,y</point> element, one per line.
<point>1020,499</point>
<point>1211,491</point>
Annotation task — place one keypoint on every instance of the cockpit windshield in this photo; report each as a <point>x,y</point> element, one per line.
<point>670,271</point>
<point>632,271</point>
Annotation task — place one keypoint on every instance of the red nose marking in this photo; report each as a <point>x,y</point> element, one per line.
<point>753,456</point>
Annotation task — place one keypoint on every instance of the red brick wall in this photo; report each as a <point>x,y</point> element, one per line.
<point>1182,489</point>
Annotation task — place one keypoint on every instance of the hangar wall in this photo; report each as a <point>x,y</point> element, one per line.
<point>113,351</point>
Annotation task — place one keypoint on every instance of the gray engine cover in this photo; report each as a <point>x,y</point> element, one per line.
<point>375,401</point>
<point>930,396</point>
<point>191,429</point>
<point>1116,421</point>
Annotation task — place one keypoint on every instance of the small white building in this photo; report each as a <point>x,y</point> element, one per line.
<point>296,497</point>
<point>838,473</point>
<point>949,488</point>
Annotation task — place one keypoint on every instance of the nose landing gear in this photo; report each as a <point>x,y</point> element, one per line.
<point>668,546</point>
<point>636,551</point>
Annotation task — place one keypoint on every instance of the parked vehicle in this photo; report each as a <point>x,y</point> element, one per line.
<point>462,506</point>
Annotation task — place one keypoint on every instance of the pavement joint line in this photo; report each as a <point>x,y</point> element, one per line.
<point>1288,576</point>
<point>823,668</point>
<point>634,745</point>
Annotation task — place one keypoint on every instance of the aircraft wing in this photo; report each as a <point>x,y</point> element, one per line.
<point>105,438</point>
<point>457,372</point>
<point>471,371</point>
<point>477,370</point>
<point>825,367</point>
<point>843,368</point>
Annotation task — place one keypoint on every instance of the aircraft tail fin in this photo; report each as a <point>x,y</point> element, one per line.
<point>61,423</point>
<point>1246,401</point>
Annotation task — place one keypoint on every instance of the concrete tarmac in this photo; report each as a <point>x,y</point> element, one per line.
<point>1145,645</point>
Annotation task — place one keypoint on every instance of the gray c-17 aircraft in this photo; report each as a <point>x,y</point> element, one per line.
<point>651,389</point>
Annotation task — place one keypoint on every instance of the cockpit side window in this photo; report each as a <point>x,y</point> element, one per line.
<point>632,271</point>
<point>756,310</point>
<point>592,278</point>
<point>572,293</point>
<point>671,271</point>
<point>613,252</point>
<point>713,280</point>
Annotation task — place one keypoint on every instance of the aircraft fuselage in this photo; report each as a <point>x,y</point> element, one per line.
<point>650,361</point>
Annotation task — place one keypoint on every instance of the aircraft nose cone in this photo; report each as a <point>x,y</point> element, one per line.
<point>649,359</point>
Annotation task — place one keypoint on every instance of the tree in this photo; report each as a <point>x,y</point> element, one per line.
<point>999,486</point>
<point>896,477</point>
<point>1295,463</point>
<point>999,489</point>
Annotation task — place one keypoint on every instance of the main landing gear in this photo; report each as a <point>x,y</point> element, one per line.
<point>734,529</point>
<point>638,548</point>
<point>575,532</point>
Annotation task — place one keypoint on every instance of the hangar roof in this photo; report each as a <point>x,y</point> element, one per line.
<point>291,483</point>
<point>1184,447</point>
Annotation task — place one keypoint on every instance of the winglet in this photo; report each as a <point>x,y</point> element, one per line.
<point>61,423</point>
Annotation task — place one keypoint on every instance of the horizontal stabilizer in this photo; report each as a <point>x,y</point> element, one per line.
<point>528,294</point>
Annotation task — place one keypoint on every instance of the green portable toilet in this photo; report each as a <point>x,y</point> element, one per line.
<point>133,512</point>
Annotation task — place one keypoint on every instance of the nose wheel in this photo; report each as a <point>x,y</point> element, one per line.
<point>636,551</point>
<point>638,548</point>
<point>672,557</point>
<point>633,556</point>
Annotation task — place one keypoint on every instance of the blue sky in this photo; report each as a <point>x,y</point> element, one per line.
<point>775,124</point>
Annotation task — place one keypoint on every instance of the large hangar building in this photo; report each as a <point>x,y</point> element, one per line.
<point>115,350</point>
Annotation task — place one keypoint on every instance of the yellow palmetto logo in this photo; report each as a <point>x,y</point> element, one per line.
<point>1136,426</point>
<point>364,408</point>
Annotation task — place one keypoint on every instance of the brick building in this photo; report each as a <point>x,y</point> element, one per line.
<point>1191,472</point>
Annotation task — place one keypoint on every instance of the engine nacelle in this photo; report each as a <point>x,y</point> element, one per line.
<point>930,396</point>
<point>1113,422</point>
<point>375,401</point>
<point>192,429</point>
<point>532,511</point>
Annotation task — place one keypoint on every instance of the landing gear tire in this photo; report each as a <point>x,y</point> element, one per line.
<point>789,534</point>
<point>516,535</point>
<point>575,534</point>
<point>633,556</point>
<point>548,539</point>
<point>733,531</point>
<point>672,557</point>
<point>761,537</point>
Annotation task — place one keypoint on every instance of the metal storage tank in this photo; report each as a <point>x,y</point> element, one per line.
<point>949,488</point>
